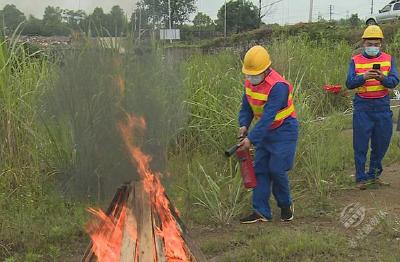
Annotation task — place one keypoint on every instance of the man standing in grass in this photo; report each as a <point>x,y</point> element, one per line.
<point>372,73</point>
<point>268,98</point>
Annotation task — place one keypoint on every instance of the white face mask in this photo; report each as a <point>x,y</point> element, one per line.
<point>255,80</point>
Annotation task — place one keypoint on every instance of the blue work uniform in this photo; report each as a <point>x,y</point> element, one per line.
<point>275,150</point>
<point>372,121</point>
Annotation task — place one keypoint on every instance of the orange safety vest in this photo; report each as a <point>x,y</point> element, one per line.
<point>257,96</point>
<point>372,87</point>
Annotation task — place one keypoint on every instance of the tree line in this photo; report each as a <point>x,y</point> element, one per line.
<point>148,15</point>
<point>63,22</point>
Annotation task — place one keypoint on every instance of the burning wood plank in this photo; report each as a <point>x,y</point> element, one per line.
<point>114,206</point>
<point>129,241</point>
<point>159,241</point>
<point>141,240</point>
<point>147,249</point>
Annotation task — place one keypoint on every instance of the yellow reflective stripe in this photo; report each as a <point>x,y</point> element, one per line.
<point>256,95</point>
<point>370,65</point>
<point>260,96</point>
<point>257,109</point>
<point>285,113</point>
<point>364,89</point>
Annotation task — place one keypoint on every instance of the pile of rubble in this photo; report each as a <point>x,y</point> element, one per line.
<point>46,42</point>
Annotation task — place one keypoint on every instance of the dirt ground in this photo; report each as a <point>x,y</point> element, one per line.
<point>382,198</point>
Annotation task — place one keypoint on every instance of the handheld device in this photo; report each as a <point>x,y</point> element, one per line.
<point>376,66</point>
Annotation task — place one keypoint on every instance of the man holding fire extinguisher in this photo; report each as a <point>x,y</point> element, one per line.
<point>268,98</point>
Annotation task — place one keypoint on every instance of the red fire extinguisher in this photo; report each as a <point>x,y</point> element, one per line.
<point>246,165</point>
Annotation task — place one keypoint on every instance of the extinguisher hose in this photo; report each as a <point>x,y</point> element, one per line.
<point>230,151</point>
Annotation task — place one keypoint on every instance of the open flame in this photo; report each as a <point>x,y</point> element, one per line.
<point>107,232</point>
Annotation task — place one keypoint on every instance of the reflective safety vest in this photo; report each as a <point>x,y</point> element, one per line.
<point>372,87</point>
<point>257,96</point>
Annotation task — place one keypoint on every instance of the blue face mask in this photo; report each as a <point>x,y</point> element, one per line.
<point>256,80</point>
<point>372,50</point>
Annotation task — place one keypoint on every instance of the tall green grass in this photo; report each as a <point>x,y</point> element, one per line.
<point>206,188</point>
<point>309,66</point>
<point>31,212</point>
<point>20,89</point>
<point>213,89</point>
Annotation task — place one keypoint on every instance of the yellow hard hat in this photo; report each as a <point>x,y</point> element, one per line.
<point>373,31</point>
<point>256,61</point>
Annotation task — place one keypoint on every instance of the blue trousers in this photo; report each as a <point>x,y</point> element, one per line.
<point>272,162</point>
<point>375,126</point>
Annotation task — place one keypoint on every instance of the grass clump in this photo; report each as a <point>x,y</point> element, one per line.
<point>33,215</point>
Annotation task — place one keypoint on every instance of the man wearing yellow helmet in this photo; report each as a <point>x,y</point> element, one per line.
<point>372,73</point>
<point>268,98</point>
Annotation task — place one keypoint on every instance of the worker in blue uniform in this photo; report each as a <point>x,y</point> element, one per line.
<point>268,99</point>
<point>373,73</point>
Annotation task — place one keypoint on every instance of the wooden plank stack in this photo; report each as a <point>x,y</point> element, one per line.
<point>140,241</point>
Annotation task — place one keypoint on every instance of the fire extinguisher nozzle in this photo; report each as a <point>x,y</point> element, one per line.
<point>230,151</point>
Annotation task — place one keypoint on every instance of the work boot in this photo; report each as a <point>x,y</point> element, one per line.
<point>380,182</point>
<point>361,185</point>
<point>253,218</point>
<point>287,213</point>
